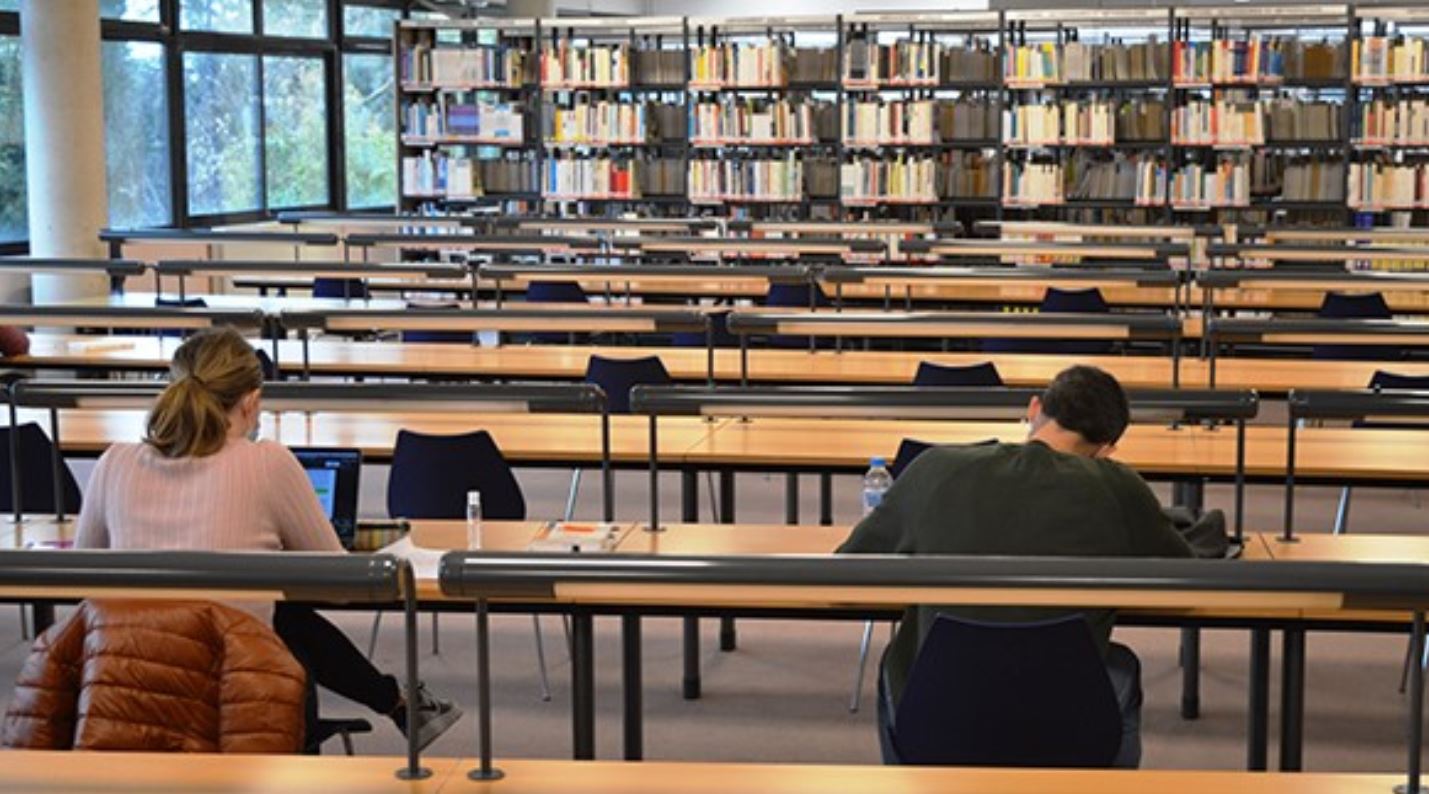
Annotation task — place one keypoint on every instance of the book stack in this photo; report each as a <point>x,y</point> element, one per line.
<point>508,175</point>
<point>1031,184</point>
<point>967,175</point>
<point>772,180</point>
<point>1388,186</point>
<point>880,123</point>
<point>967,119</point>
<point>1088,123</point>
<point>658,67</point>
<point>1225,62</point>
<point>661,176</point>
<point>1152,176</point>
<point>748,120</point>
<point>461,66</point>
<point>424,120</point>
<point>813,65</point>
<point>1290,120</point>
<point>1032,125</point>
<point>596,123</point>
<point>599,177</point>
<point>439,175</point>
<point>903,63</point>
<point>974,63</point>
<point>1202,122</point>
<point>1094,177</point>
<point>1323,60</point>
<point>1032,65</point>
<point>1383,60</point>
<point>731,65</point>
<point>902,180</point>
<point>1140,121</point>
<point>1389,122</point>
<point>1113,63</point>
<point>1297,178</point>
<point>599,66</point>
<point>1227,184</point>
<point>821,177</point>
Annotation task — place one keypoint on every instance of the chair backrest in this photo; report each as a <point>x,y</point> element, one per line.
<point>270,370</point>
<point>618,375</point>
<point>179,303</point>
<point>1009,694</point>
<point>37,481</point>
<point>1383,379</point>
<point>1060,301</point>
<point>441,337</point>
<point>352,288</point>
<point>908,449</point>
<point>555,292</point>
<point>719,323</point>
<point>1355,306</point>
<point>430,477</point>
<point>930,374</point>
<point>1073,301</point>
<point>794,296</point>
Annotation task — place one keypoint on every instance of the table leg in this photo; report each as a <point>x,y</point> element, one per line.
<point>632,670</point>
<point>791,498</point>
<point>1258,709</point>
<point>1190,673</point>
<point>690,513</point>
<point>728,641</point>
<point>1292,700</point>
<point>42,616</point>
<point>582,686</point>
<point>826,499</point>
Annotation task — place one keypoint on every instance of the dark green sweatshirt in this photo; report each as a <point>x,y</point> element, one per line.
<point>1011,500</point>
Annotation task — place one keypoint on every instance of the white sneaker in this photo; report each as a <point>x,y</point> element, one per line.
<point>434,717</point>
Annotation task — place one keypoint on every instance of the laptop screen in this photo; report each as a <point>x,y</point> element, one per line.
<point>335,474</point>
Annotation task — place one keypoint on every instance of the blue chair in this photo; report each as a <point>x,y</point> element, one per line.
<point>1348,306</point>
<point>1015,694</point>
<point>440,337</point>
<point>176,303</point>
<point>930,374</point>
<point>1059,301</point>
<point>908,450</point>
<point>795,296</point>
<point>270,369</point>
<point>348,288</point>
<point>617,376</point>
<point>722,337</point>
<point>554,292</point>
<point>37,479</point>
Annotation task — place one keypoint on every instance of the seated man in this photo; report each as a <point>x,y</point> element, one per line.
<point>1058,494</point>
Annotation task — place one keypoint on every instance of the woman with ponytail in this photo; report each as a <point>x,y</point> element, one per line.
<point>200,479</point>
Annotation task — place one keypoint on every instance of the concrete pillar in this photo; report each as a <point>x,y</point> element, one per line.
<point>545,9</point>
<point>64,140</point>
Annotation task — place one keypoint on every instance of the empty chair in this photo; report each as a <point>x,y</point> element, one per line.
<point>1386,381</point>
<point>37,483</point>
<point>617,376</point>
<point>719,323</point>
<point>348,288</point>
<point>265,361</point>
<point>1007,694</point>
<point>795,297</point>
<point>1059,301</point>
<point>442,337</point>
<point>554,292</point>
<point>162,302</point>
<point>983,374</point>
<point>1355,306</point>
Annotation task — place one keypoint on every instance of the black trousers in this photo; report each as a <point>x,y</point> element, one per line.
<point>332,662</point>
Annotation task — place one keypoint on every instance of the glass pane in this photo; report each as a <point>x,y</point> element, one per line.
<point>136,134</point>
<point>9,5</point>
<point>368,21</point>
<point>221,122</point>
<point>224,16</point>
<point>298,18</point>
<point>369,131</point>
<point>135,10</point>
<point>295,116</point>
<point>14,223</point>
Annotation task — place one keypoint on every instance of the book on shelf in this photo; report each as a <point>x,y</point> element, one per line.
<point>754,120</point>
<point>1031,125</point>
<point>1088,122</point>
<point>1136,178</point>
<point>566,65</point>
<point>422,64</point>
<point>967,175</point>
<point>1384,121</point>
<point>880,122</point>
<point>594,177</point>
<point>975,62</point>
<point>821,177</point>
<point>1031,184</point>
<point>435,174</point>
<point>902,179</point>
<point>1387,185</point>
<point>1032,64</point>
<point>903,63</point>
<point>1202,122</point>
<point>1114,62</point>
<point>812,65</point>
<point>661,176</point>
<point>659,67</point>
<point>1290,120</point>
<point>1243,61</point>
<point>736,64</point>
<point>1389,59</point>
<point>444,118</point>
<point>1300,178</point>
<point>1313,60</point>
<point>967,119</point>
<point>1226,184</point>
<point>1141,121</point>
<point>589,121</point>
<point>763,179</point>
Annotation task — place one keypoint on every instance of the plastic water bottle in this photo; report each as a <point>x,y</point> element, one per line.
<point>876,483</point>
<point>473,519</point>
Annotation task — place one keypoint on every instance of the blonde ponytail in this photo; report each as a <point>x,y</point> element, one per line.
<point>210,373</point>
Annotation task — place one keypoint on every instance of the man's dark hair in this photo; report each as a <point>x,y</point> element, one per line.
<point>1088,402</point>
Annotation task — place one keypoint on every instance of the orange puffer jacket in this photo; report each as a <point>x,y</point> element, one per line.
<point>158,676</point>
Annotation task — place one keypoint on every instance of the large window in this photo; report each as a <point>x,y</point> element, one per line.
<point>221,16</point>
<point>295,131</point>
<point>298,18</point>
<point>14,223</point>
<point>369,130</point>
<point>130,10</point>
<point>368,21</point>
<point>221,125</point>
<point>136,134</point>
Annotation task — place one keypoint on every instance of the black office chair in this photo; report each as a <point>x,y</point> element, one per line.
<point>983,374</point>
<point>1025,695</point>
<point>346,288</point>
<point>343,729</point>
<point>265,361</point>
<point>719,322</point>
<point>430,477</point>
<point>37,483</point>
<point>554,292</point>
<point>1059,301</point>
<point>796,297</point>
<point>1353,306</point>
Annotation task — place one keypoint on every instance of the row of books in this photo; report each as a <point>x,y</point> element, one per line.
<point>1386,185</point>
<point>902,179</point>
<point>1032,183</point>
<point>752,120</point>
<point>1074,122</point>
<point>497,121</point>
<point>890,122</point>
<point>1297,178</point>
<point>1218,123</point>
<point>1199,186</point>
<point>1394,122</point>
<point>1254,60</point>
<point>902,63</point>
<point>494,66</point>
<point>596,65</point>
<point>780,179</point>
<point>1389,59</point>
<point>589,177</point>
<point>1139,178</point>
<point>596,123</point>
<point>443,175</point>
<point>1302,120</point>
<point>739,64</point>
<point>1142,62</point>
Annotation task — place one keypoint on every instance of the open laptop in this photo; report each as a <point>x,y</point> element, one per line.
<point>335,474</point>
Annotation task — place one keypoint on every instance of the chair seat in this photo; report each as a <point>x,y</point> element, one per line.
<point>327,729</point>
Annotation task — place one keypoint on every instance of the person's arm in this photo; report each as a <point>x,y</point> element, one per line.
<point>1148,528</point>
<point>295,509</point>
<point>91,530</point>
